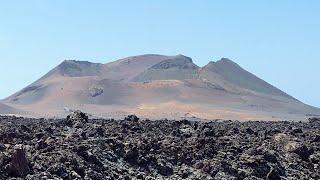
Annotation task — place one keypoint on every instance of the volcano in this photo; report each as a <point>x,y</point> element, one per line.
<point>156,86</point>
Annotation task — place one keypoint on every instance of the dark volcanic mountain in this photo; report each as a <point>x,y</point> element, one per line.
<point>157,86</point>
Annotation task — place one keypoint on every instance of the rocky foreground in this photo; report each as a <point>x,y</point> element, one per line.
<point>78,148</point>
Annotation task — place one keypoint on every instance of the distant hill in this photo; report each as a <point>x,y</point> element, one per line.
<point>157,86</point>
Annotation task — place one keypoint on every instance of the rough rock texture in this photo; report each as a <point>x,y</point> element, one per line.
<point>76,118</point>
<point>95,91</point>
<point>82,148</point>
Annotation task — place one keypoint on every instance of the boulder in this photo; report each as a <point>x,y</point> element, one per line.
<point>75,118</point>
<point>19,166</point>
<point>132,118</point>
<point>299,148</point>
<point>281,139</point>
<point>164,169</point>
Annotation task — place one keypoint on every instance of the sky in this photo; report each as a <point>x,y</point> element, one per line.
<point>279,41</point>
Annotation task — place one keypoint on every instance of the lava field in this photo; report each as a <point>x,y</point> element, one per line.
<point>80,148</point>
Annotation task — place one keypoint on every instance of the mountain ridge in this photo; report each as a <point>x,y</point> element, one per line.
<point>153,85</point>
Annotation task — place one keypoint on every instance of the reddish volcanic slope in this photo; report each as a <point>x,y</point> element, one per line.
<point>157,86</point>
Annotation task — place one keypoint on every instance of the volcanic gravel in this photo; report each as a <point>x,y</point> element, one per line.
<point>82,148</point>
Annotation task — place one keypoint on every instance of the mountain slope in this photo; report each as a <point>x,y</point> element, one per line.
<point>126,69</point>
<point>229,72</point>
<point>5,109</point>
<point>157,86</point>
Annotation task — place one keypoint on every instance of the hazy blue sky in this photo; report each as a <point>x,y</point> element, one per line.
<point>278,41</point>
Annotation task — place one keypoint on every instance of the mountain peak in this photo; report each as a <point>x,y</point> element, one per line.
<point>75,68</point>
<point>75,61</point>
<point>231,72</point>
<point>226,61</point>
<point>183,57</point>
<point>223,63</point>
<point>178,62</point>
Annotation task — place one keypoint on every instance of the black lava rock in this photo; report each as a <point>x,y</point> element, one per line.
<point>79,148</point>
